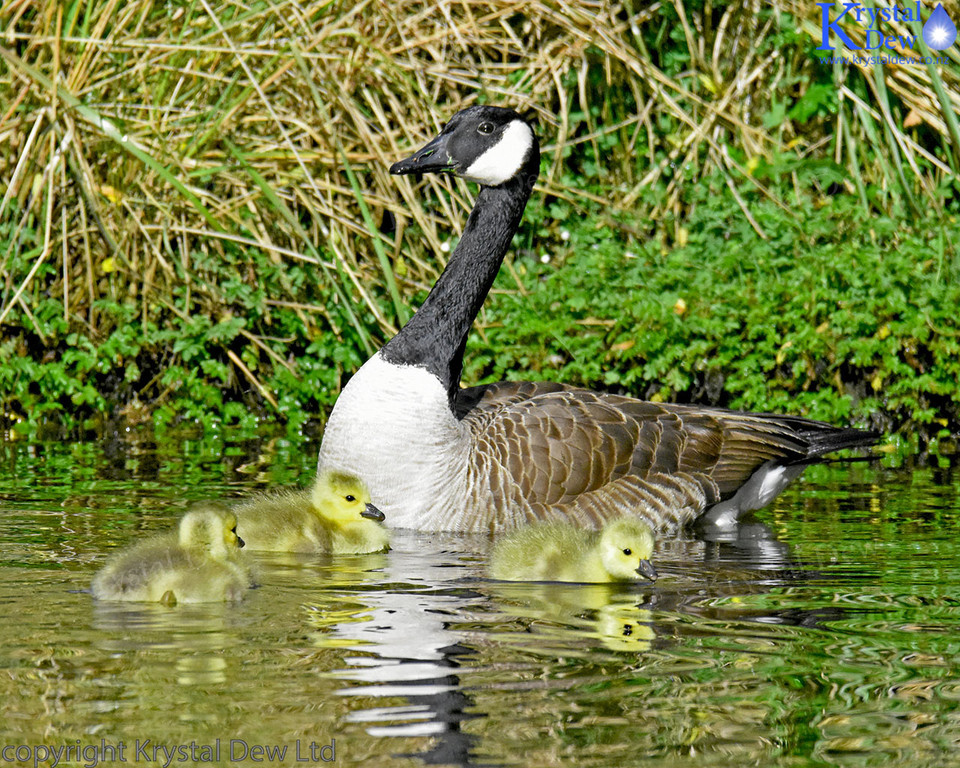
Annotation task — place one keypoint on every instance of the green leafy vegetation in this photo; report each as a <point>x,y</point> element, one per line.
<point>170,363</point>
<point>841,319</point>
<point>198,226</point>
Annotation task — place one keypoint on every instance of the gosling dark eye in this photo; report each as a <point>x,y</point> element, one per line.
<point>485,128</point>
<point>350,497</point>
<point>628,552</point>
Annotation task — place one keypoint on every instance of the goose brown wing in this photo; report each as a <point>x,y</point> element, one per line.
<point>550,451</point>
<point>559,445</point>
<point>556,445</point>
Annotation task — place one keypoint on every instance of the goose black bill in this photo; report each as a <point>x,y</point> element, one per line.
<point>431,158</point>
<point>372,513</point>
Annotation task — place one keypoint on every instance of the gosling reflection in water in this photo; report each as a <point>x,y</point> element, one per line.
<point>563,619</point>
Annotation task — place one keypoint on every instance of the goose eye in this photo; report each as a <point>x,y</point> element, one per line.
<point>628,552</point>
<point>350,497</point>
<point>485,128</point>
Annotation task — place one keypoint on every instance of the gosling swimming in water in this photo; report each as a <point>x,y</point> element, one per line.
<point>335,515</point>
<point>548,551</point>
<point>200,563</point>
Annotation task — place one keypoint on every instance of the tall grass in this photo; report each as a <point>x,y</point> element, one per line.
<point>214,177</point>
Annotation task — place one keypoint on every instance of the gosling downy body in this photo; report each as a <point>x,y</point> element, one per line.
<point>334,515</point>
<point>200,563</point>
<point>494,457</point>
<point>552,551</point>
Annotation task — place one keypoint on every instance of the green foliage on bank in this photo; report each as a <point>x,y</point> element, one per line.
<point>196,223</point>
<point>828,314</point>
<point>832,315</point>
<point>178,362</point>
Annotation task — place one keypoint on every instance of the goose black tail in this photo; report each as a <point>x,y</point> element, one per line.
<point>823,441</point>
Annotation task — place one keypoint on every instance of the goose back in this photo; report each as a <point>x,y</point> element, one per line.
<point>552,451</point>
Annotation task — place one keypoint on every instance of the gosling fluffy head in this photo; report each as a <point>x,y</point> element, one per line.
<point>210,529</point>
<point>343,499</point>
<point>342,503</point>
<point>625,548</point>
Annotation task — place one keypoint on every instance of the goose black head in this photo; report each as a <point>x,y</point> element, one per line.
<point>488,145</point>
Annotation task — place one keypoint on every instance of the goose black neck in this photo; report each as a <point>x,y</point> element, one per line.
<point>436,335</point>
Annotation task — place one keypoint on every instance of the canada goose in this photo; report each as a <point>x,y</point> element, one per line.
<point>200,563</point>
<point>553,551</point>
<point>488,458</point>
<point>335,515</point>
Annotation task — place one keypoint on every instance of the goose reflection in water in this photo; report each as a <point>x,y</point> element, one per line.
<point>429,628</point>
<point>412,647</point>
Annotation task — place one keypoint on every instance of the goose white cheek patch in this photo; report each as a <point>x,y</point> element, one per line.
<point>504,159</point>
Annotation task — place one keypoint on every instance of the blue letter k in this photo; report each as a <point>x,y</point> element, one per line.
<point>826,26</point>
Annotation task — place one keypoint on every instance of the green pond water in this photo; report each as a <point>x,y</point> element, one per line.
<point>831,636</point>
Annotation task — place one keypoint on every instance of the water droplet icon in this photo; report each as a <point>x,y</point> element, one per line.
<point>939,32</point>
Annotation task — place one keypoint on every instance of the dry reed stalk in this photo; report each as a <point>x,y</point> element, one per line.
<point>155,133</point>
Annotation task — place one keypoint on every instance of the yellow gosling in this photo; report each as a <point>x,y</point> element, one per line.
<point>200,563</point>
<point>335,515</point>
<point>620,551</point>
